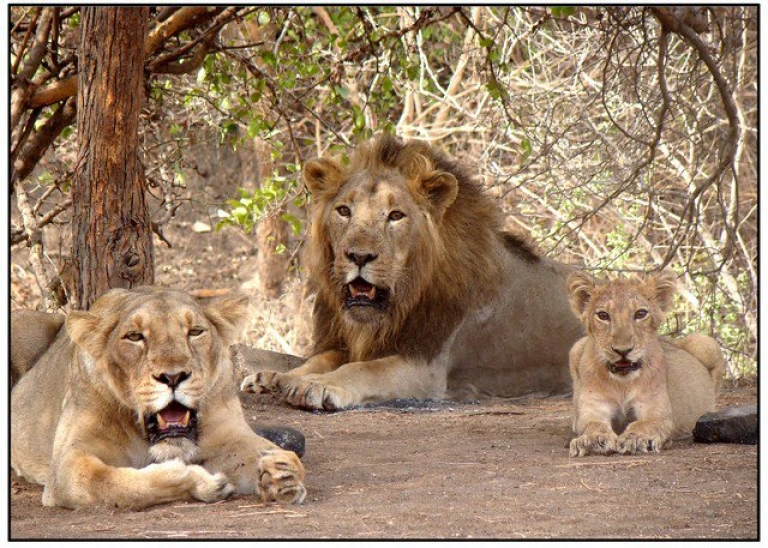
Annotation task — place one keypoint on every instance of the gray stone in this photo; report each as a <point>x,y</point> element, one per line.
<point>729,425</point>
<point>284,437</point>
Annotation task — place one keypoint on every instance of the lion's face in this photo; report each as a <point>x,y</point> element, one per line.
<point>622,316</point>
<point>159,353</point>
<point>375,229</point>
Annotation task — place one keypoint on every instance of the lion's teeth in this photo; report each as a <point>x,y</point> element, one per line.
<point>161,422</point>
<point>185,420</point>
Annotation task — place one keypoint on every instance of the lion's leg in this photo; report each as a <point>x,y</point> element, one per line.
<point>82,479</point>
<point>594,434</point>
<point>319,364</point>
<point>251,463</point>
<point>362,382</point>
<point>652,428</point>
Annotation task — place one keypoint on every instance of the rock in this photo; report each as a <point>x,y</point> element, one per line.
<point>284,437</point>
<point>729,425</point>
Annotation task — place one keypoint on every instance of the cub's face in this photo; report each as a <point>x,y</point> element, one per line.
<point>159,353</point>
<point>622,316</point>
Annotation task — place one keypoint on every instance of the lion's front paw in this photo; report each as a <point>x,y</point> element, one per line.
<point>596,444</point>
<point>209,487</point>
<point>630,444</point>
<point>281,478</point>
<point>307,392</point>
<point>258,383</point>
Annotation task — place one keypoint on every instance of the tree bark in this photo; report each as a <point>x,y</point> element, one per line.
<point>112,233</point>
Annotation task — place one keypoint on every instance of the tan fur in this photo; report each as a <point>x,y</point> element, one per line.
<point>637,411</point>
<point>471,309</point>
<point>77,416</point>
<point>32,333</point>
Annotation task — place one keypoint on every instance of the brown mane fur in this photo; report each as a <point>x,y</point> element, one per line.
<point>454,262</point>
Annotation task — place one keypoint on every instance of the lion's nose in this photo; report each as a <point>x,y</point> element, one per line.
<point>361,259</point>
<point>172,379</point>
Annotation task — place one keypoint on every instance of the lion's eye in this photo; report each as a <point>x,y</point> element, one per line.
<point>641,314</point>
<point>134,336</point>
<point>196,331</point>
<point>603,315</point>
<point>343,211</point>
<point>396,215</point>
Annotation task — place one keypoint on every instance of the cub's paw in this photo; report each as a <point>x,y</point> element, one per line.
<point>281,478</point>
<point>309,392</point>
<point>596,444</point>
<point>631,444</point>
<point>209,487</point>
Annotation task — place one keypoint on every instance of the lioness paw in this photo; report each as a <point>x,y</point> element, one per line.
<point>631,444</point>
<point>209,487</point>
<point>281,478</point>
<point>598,444</point>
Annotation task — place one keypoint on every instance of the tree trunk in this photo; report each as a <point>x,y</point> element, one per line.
<point>112,232</point>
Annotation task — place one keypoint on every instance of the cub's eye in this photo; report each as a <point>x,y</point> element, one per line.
<point>196,331</point>
<point>603,315</point>
<point>396,215</point>
<point>343,211</point>
<point>134,336</point>
<point>641,314</point>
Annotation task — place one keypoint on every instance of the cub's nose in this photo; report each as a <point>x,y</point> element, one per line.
<point>172,379</point>
<point>361,259</point>
<point>623,352</point>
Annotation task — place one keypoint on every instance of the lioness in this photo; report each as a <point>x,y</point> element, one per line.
<point>632,391</point>
<point>419,292</point>
<point>135,404</point>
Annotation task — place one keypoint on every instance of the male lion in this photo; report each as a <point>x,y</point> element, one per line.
<point>632,391</point>
<point>418,290</point>
<point>135,404</point>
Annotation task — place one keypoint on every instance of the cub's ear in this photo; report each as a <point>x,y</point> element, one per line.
<point>87,331</point>
<point>662,286</point>
<point>229,315</point>
<point>322,175</point>
<point>581,287</point>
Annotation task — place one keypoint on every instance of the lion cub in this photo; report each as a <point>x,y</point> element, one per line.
<point>632,390</point>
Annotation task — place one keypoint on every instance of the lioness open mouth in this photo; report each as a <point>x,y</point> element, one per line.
<point>623,367</point>
<point>363,293</point>
<point>175,421</point>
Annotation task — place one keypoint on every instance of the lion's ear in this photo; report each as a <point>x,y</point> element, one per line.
<point>581,287</point>
<point>86,331</point>
<point>663,287</point>
<point>441,189</point>
<point>322,175</point>
<point>229,315</point>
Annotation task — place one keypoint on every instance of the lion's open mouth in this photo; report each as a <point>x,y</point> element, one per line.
<point>623,367</point>
<point>363,293</point>
<point>175,421</point>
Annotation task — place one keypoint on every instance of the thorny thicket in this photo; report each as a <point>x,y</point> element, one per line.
<point>622,139</point>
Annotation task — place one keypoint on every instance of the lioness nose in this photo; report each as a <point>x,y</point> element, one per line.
<point>172,379</point>
<point>361,259</point>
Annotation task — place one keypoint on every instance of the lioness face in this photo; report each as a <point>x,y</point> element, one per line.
<point>158,354</point>
<point>622,316</point>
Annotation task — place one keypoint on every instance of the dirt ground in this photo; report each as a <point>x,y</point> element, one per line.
<point>496,470</point>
